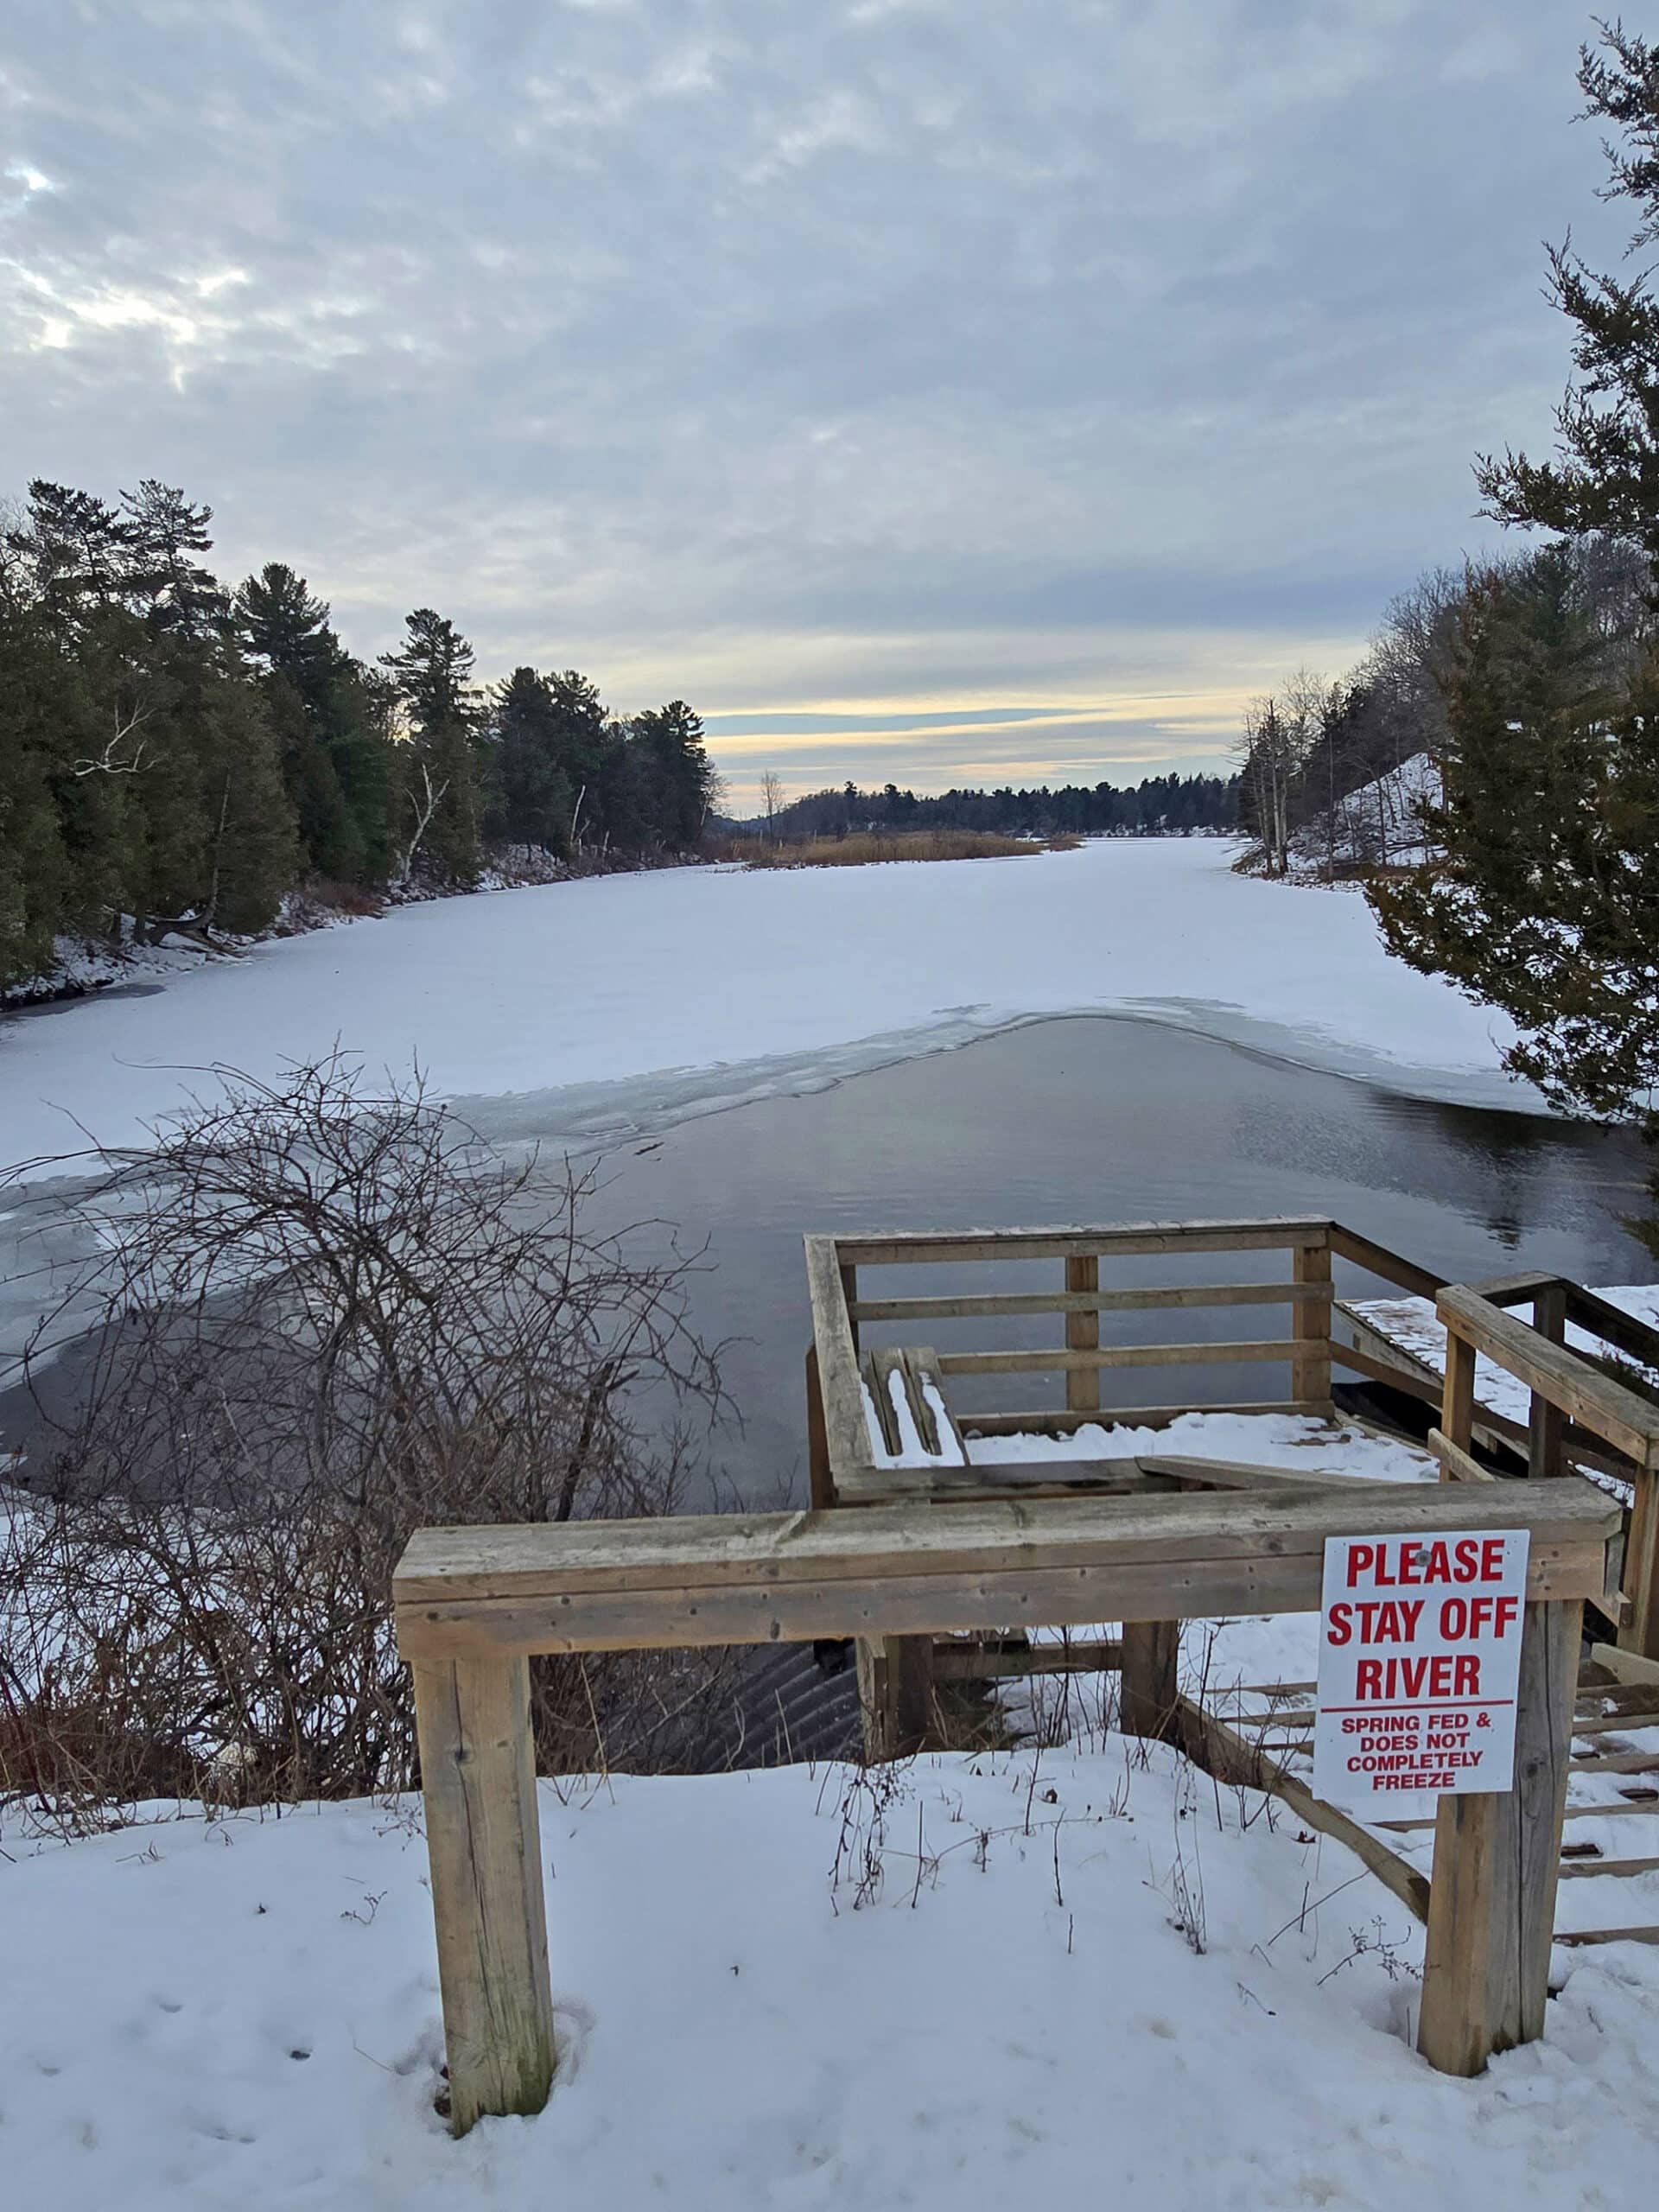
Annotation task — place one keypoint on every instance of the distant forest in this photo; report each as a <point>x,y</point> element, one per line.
<point>1161,806</point>
<point>178,754</point>
<point>175,753</point>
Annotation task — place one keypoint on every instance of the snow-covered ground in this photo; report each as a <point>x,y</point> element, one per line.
<point>635,995</point>
<point>245,2014</point>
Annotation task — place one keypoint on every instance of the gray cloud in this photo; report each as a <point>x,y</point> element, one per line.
<point>917,358</point>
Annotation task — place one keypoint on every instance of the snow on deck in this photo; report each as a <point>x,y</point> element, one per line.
<point>1298,1442</point>
<point>733,983</point>
<point>1412,1324</point>
<point>245,2014</point>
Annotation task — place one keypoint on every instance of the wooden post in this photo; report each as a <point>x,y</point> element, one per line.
<point>1457,1398</point>
<point>483,1841</point>
<point>895,1694</point>
<point>1545,1421</point>
<point>1083,1334</point>
<point>1310,1371</point>
<point>821,1488</point>
<point>1640,1578</point>
<point>1492,1906</point>
<point>850,1297</point>
<point>1150,1695</point>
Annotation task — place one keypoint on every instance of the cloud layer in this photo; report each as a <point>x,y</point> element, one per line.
<point>943,391</point>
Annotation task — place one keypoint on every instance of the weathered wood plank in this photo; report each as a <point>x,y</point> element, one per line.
<point>483,1842</point>
<point>895,1694</point>
<point>1457,1465</point>
<point>1629,1423</point>
<point>1492,1912</point>
<point>1195,1473</point>
<point>1212,1744</point>
<point>1048,1420</point>
<point>1624,1665</point>
<point>933,1248</point>
<point>846,1432</point>
<point>1636,1340</point>
<point>1083,1334</point>
<point>1150,1698</point>
<point>1545,1421</point>
<point>1058,1360</point>
<point>820,1482</point>
<point>1620,1869</point>
<point>1456,1422</point>
<point>1377,1260</point>
<point>1645,1807</point>
<point>1141,1298</point>
<point>1579,1938</point>
<point>911,1570</point>
<point>524,1558</point>
<point>1638,1632</point>
<point>993,1661</point>
<point>1310,1373</point>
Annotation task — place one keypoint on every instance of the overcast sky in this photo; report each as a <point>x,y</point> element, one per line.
<point>948,391</point>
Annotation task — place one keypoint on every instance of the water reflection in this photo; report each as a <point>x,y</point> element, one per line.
<point>1105,1119</point>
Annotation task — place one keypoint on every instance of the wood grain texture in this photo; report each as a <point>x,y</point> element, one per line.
<point>483,1841</point>
<point>1310,1372</point>
<point>1058,1360</point>
<point>912,1569</point>
<point>1142,1298</point>
<point>1212,1744</point>
<point>1083,1334</point>
<point>933,1248</point>
<point>1629,1423</point>
<point>845,1430</point>
<point>1492,1912</point>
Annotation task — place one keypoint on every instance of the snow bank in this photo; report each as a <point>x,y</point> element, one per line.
<point>700,984</point>
<point>245,2014</point>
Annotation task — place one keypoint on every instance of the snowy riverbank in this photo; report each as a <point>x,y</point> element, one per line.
<point>634,996</point>
<point>245,2013</point>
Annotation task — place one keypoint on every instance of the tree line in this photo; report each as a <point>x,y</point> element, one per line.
<point>1531,878</point>
<point>174,753</point>
<point>1161,806</point>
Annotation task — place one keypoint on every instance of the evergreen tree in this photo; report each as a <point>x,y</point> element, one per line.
<point>1547,899</point>
<point>679,778</point>
<point>163,579</point>
<point>1605,474</point>
<point>315,696</point>
<point>435,781</point>
<point>534,795</point>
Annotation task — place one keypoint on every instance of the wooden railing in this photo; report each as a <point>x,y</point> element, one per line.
<point>1571,1397</point>
<point>473,1605</point>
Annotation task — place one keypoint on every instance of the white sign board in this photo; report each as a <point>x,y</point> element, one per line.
<point>1420,1659</point>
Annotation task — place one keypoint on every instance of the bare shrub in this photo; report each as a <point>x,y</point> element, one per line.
<point>325,1317</point>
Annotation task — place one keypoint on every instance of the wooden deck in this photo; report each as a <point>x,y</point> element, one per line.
<point>934,1555</point>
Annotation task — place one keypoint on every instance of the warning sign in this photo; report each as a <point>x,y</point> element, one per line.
<point>1420,1659</point>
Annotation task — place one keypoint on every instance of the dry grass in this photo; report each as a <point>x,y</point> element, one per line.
<point>866,849</point>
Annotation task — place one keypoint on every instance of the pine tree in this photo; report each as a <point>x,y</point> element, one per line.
<point>1605,474</point>
<point>315,696</point>
<point>437,779</point>
<point>1545,901</point>
<point>163,579</point>
<point>534,794</point>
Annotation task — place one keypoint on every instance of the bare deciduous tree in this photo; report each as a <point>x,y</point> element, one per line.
<point>325,1317</point>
